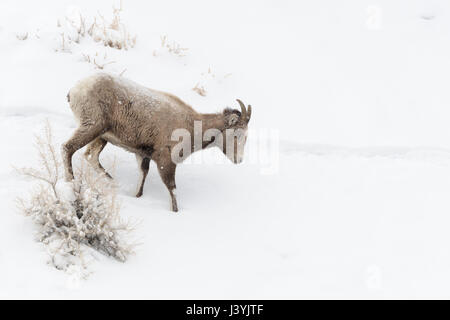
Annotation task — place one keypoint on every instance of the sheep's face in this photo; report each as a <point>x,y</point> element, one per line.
<point>235,134</point>
<point>235,144</point>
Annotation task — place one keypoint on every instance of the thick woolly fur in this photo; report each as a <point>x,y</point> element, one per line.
<point>141,120</point>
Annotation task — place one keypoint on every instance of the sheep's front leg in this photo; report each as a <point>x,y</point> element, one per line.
<point>82,136</point>
<point>167,173</point>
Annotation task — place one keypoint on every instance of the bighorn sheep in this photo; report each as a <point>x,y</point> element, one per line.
<point>142,121</point>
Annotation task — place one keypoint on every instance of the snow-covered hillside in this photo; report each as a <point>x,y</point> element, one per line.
<point>355,203</point>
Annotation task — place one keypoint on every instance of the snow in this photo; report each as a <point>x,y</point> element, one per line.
<point>65,190</point>
<point>350,202</point>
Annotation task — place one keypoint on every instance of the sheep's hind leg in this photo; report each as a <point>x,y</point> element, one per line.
<point>144,164</point>
<point>82,136</point>
<point>167,173</point>
<point>93,152</point>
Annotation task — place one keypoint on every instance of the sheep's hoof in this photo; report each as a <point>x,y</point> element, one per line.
<point>139,194</point>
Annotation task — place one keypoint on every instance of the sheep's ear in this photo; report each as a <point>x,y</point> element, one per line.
<point>232,119</point>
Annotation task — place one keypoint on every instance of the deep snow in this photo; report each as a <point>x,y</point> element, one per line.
<point>357,206</point>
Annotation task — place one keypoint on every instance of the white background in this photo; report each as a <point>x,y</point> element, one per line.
<point>357,91</point>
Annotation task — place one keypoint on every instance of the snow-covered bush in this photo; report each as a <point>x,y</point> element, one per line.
<point>73,218</point>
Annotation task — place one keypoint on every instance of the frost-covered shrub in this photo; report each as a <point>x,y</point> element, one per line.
<point>75,217</point>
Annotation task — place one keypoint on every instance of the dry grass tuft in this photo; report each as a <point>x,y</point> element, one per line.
<point>200,90</point>
<point>173,48</point>
<point>109,32</point>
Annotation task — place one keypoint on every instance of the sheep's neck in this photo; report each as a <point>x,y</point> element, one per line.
<point>202,123</point>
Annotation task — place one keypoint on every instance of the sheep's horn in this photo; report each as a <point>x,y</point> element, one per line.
<point>243,111</point>
<point>249,112</point>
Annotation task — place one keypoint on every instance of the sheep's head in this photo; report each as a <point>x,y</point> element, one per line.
<point>235,134</point>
